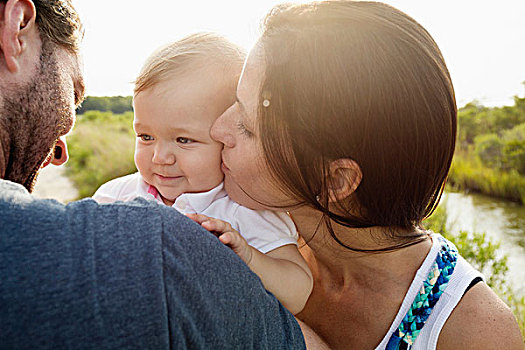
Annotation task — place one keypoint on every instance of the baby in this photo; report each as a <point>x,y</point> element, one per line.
<point>180,91</point>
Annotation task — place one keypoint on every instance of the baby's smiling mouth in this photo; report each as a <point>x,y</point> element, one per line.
<point>163,177</point>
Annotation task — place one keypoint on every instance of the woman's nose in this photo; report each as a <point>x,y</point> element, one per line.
<point>163,155</point>
<point>221,130</point>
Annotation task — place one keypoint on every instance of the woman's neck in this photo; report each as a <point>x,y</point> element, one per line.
<point>345,266</point>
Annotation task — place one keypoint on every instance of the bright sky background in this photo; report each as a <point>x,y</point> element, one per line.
<point>483,42</point>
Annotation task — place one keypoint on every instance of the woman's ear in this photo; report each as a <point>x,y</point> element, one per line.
<point>17,17</point>
<point>345,177</point>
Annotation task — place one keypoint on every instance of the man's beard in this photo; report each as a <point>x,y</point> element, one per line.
<point>35,116</point>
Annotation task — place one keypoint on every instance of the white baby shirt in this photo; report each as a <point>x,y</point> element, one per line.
<point>264,230</point>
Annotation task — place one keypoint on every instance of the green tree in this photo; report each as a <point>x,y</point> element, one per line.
<point>469,123</point>
<point>115,104</point>
<point>500,119</point>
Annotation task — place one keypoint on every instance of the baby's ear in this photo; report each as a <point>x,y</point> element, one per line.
<point>345,177</point>
<point>17,20</point>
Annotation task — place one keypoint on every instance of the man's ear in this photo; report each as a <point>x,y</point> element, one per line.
<point>345,177</point>
<point>60,152</point>
<point>17,19</point>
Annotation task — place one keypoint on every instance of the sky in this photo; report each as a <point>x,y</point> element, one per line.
<point>483,42</point>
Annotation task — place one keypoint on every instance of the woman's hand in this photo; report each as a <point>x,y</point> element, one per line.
<point>226,234</point>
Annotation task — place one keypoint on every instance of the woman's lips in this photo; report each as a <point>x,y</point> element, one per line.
<point>224,168</point>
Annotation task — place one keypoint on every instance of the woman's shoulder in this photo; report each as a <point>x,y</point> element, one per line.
<point>481,320</point>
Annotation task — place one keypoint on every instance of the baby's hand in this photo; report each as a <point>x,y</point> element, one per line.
<point>227,235</point>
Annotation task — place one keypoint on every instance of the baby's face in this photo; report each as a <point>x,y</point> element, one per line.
<point>174,151</point>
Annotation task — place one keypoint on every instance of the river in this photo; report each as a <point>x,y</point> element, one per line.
<point>502,221</point>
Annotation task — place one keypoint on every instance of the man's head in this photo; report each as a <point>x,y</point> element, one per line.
<point>181,90</point>
<point>40,84</point>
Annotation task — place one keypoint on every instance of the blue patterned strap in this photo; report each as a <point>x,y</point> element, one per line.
<point>430,292</point>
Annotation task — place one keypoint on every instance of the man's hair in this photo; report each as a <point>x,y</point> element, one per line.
<point>191,53</point>
<point>58,22</point>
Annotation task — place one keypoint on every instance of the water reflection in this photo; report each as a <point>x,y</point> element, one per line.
<point>500,220</point>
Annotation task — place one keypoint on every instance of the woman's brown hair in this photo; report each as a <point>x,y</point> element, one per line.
<point>364,81</point>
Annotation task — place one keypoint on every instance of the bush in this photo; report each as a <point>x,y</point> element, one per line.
<point>101,148</point>
<point>514,148</point>
<point>488,148</point>
<point>514,155</point>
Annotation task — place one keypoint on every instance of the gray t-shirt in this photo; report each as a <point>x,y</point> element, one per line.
<point>126,275</point>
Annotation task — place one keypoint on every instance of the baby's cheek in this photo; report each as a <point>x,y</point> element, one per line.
<point>143,163</point>
<point>214,156</point>
<point>139,161</point>
<point>213,171</point>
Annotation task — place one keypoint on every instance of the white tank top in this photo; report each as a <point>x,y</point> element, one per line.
<point>461,278</point>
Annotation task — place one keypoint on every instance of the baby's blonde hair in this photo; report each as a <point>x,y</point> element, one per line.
<point>193,52</point>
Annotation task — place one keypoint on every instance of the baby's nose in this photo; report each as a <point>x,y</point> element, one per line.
<point>163,155</point>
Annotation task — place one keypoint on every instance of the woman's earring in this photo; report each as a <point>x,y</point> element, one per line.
<point>318,198</point>
<point>266,97</point>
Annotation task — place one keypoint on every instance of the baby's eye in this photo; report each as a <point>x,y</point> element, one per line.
<point>184,140</point>
<point>145,137</point>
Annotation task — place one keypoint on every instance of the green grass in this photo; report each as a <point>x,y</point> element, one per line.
<point>469,174</point>
<point>101,148</point>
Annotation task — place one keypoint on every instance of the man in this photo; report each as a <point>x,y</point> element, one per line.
<point>96,276</point>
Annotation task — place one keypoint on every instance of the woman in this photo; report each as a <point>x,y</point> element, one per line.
<point>346,118</point>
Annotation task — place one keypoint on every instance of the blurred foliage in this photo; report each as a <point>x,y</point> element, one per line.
<point>484,255</point>
<point>513,150</point>
<point>101,148</point>
<point>469,173</point>
<point>115,104</point>
<point>488,147</point>
<point>490,153</point>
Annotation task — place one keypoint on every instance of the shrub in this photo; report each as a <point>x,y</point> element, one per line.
<point>513,151</point>
<point>488,148</point>
<point>514,155</point>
